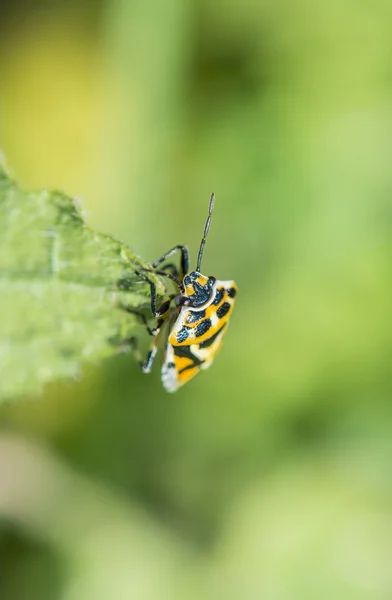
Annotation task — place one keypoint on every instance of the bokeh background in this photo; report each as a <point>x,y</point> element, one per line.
<point>269,476</point>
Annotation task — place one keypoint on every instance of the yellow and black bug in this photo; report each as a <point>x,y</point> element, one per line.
<point>195,318</point>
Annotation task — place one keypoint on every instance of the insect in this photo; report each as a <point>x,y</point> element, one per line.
<point>195,318</point>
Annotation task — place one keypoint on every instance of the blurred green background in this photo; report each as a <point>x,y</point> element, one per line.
<point>268,476</point>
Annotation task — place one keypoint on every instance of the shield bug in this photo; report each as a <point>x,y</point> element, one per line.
<point>194,319</point>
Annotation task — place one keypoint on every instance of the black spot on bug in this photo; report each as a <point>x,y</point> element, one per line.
<point>232,292</point>
<point>212,339</point>
<point>194,316</point>
<point>182,335</point>
<point>223,310</point>
<point>203,327</point>
<point>219,296</point>
<point>186,352</point>
<point>171,365</point>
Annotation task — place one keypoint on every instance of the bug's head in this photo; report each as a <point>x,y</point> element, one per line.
<point>198,288</point>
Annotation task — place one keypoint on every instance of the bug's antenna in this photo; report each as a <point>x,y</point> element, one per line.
<point>206,228</point>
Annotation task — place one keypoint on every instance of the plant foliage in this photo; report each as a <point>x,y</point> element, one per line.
<point>62,286</point>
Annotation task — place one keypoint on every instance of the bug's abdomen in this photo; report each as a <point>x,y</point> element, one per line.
<point>196,337</point>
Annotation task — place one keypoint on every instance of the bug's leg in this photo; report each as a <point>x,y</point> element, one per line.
<point>141,316</point>
<point>164,307</point>
<point>146,364</point>
<point>161,314</point>
<point>172,268</point>
<point>178,283</point>
<point>184,260</point>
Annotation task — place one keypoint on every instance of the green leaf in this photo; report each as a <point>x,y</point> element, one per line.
<point>62,286</point>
